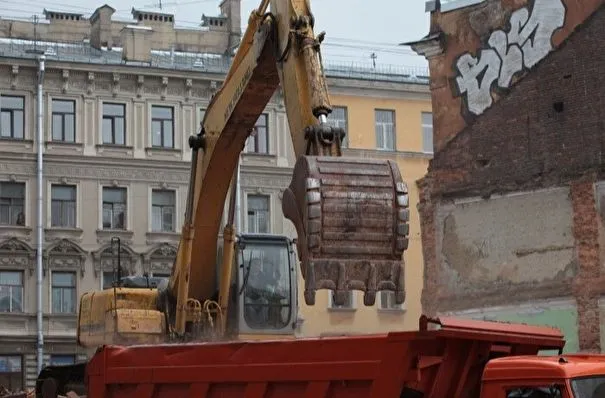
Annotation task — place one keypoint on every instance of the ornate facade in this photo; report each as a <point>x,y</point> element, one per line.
<point>116,164</point>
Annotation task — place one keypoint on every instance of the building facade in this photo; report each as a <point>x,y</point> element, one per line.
<point>120,100</point>
<point>386,118</point>
<point>512,205</point>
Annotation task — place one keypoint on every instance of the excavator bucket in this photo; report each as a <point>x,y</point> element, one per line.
<point>351,216</point>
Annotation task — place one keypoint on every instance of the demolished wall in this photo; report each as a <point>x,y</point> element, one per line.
<point>510,209</point>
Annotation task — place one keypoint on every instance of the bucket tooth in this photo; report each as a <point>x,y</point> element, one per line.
<point>352,220</point>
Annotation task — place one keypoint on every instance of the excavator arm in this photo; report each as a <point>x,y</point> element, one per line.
<point>350,214</point>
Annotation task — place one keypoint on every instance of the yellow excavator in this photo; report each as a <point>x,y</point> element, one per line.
<point>350,214</point>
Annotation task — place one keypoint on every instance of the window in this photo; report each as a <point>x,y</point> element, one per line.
<point>59,359</point>
<point>163,203</point>
<point>63,206</point>
<point>11,372</point>
<point>349,301</point>
<point>538,392</point>
<point>114,208</point>
<point>387,301</point>
<point>108,278</point>
<point>114,130</point>
<point>162,126</point>
<point>427,132</point>
<point>385,130</point>
<point>11,291</point>
<point>12,118</point>
<point>12,198</point>
<point>258,142</point>
<point>63,292</point>
<point>64,120</point>
<point>338,118</point>
<point>258,214</point>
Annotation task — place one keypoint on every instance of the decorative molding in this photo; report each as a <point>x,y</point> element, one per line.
<point>15,231</point>
<point>164,91</point>
<point>15,76</point>
<point>140,85</point>
<point>90,88</point>
<point>55,234</point>
<point>97,172</point>
<point>160,258</point>
<point>188,89</point>
<point>104,236</point>
<point>16,254</point>
<point>116,84</point>
<point>65,255</point>
<point>65,81</point>
<point>104,259</point>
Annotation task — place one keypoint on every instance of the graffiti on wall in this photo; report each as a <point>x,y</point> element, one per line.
<point>526,43</point>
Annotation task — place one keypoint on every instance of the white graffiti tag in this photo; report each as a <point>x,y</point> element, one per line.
<point>527,42</point>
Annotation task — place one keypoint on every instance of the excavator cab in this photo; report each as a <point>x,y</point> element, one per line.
<point>263,296</point>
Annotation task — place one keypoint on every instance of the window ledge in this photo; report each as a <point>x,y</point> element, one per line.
<point>64,144</point>
<point>16,140</point>
<point>17,231</point>
<point>161,149</point>
<point>158,236</point>
<point>105,235</point>
<point>115,149</point>
<point>53,233</point>
<point>349,310</point>
<point>393,311</point>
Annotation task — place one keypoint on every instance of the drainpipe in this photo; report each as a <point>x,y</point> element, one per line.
<point>40,215</point>
<point>238,203</point>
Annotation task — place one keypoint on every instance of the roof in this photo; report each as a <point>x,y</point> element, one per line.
<point>556,366</point>
<point>83,52</point>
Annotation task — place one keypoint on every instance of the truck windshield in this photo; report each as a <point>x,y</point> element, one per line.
<point>267,285</point>
<point>588,387</point>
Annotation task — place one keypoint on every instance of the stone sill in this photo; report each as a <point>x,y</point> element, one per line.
<point>105,235</point>
<point>343,310</point>
<point>391,311</point>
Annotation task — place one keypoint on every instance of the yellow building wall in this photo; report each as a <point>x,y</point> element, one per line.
<point>322,320</point>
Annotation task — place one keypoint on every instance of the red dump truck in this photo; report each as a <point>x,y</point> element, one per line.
<point>445,358</point>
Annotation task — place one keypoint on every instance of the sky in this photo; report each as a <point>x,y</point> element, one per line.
<point>355,29</point>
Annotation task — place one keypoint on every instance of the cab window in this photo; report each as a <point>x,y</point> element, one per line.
<point>534,392</point>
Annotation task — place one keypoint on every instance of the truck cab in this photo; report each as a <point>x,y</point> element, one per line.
<point>557,376</point>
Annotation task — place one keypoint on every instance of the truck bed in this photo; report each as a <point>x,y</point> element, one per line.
<point>443,362</point>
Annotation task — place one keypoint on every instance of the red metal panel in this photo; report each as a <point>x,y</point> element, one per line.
<point>435,362</point>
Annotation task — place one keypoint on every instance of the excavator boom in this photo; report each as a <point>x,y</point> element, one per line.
<point>350,214</point>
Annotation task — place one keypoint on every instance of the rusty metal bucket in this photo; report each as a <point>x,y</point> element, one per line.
<point>351,216</point>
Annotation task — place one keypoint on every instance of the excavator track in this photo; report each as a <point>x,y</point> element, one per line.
<point>355,213</point>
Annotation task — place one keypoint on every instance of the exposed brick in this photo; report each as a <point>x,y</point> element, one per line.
<point>524,143</point>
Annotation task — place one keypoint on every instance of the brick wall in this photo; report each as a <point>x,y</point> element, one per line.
<point>547,131</point>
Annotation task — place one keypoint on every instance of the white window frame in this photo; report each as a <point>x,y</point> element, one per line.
<point>390,304</point>
<point>128,219</point>
<point>50,292</point>
<point>177,208</point>
<point>26,206</point>
<point>332,306</point>
<point>128,138</point>
<point>49,185</point>
<point>269,210</point>
<point>177,115</point>
<point>344,123</point>
<point>425,149</point>
<point>23,293</point>
<point>26,104</point>
<point>382,125</point>
<point>78,123</point>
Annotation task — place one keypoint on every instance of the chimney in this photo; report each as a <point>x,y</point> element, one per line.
<point>100,27</point>
<point>136,43</point>
<point>232,10</point>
